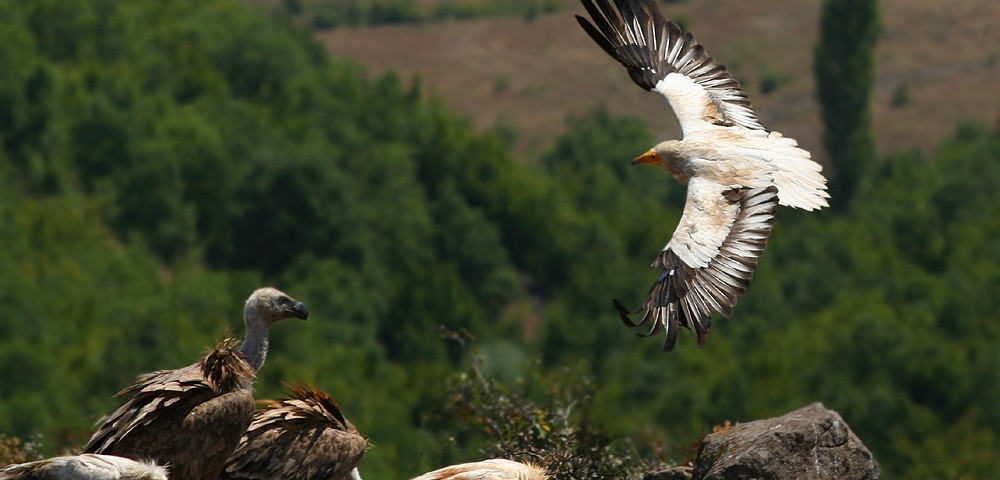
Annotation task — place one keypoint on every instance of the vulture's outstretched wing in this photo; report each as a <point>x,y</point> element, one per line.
<point>659,57</point>
<point>708,262</point>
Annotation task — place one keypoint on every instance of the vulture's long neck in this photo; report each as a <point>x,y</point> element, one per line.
<point>254,346</point>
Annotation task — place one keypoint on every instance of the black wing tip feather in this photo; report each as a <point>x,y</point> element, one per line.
<point>671,340</point>
<point>611,30</point>
<point>598,38</point>
<point>626,314</point>
<point>668,290</point>
<point>702,338</point>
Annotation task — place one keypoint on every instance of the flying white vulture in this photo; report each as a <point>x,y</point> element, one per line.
<point>736,171</point>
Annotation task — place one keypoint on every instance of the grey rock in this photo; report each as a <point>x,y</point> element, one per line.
<point>811,443</point>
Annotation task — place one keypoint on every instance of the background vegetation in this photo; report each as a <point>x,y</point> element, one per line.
<point>327,14</point>
<point>844,65</point>
<point>161,160</point>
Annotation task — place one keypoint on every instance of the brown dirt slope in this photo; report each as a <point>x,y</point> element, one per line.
<point>945,57</point>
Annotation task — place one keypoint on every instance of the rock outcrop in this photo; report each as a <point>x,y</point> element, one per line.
<point>811,443</point>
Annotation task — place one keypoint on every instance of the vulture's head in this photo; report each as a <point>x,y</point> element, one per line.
<point>271,305</point>
<point>667,156</point>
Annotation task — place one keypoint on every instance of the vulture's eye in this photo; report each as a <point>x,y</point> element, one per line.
<point>284,301</point>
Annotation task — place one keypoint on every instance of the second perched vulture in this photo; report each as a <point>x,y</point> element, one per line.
<point>191,419</point>
<point>87,466</point>
<point>736,171</point>
<point>492,469</point>
<point>304,437</point>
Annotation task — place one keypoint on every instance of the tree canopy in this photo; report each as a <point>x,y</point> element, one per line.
<point>844,65</point>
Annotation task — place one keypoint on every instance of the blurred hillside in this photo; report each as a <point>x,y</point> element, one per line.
<point>937,61</point>
<point>161,160</point>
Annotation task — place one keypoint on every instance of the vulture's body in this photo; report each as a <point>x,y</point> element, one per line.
<point>493,469</point>
<point>191,419</point>
<point>736,171</point>
<point>304,437</point>
<point>87,466</point>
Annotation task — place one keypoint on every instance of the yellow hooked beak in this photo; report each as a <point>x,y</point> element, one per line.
<point>649,157</point>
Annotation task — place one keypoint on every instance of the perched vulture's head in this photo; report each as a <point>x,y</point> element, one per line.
<point>272,305</point>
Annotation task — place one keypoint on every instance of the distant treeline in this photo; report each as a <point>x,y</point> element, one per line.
<point>327,14</point>
<point>160,160</point>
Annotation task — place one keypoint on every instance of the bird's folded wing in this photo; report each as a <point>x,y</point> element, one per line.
<point>297,438</point>
<point>153,395</point>
<point>661,58</point>
<point>720,253</point>
<point>170,393</point>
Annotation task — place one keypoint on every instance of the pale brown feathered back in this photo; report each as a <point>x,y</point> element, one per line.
<point>87,466</point>
<point>190,418</point>
<point>492,469</point>
<point>304,437</point>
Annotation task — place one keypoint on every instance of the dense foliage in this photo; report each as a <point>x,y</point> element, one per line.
<point>326,14</point>
<point>160,160</point>
<point>542,419</point>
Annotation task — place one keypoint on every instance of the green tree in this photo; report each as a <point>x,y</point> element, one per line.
<point>844,68</point>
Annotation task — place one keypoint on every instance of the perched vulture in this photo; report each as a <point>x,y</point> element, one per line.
<point>87,466</point>
<point>493,469</point>
<point>736,171</point>
<point>191,419</point>
<point>303,437</point>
